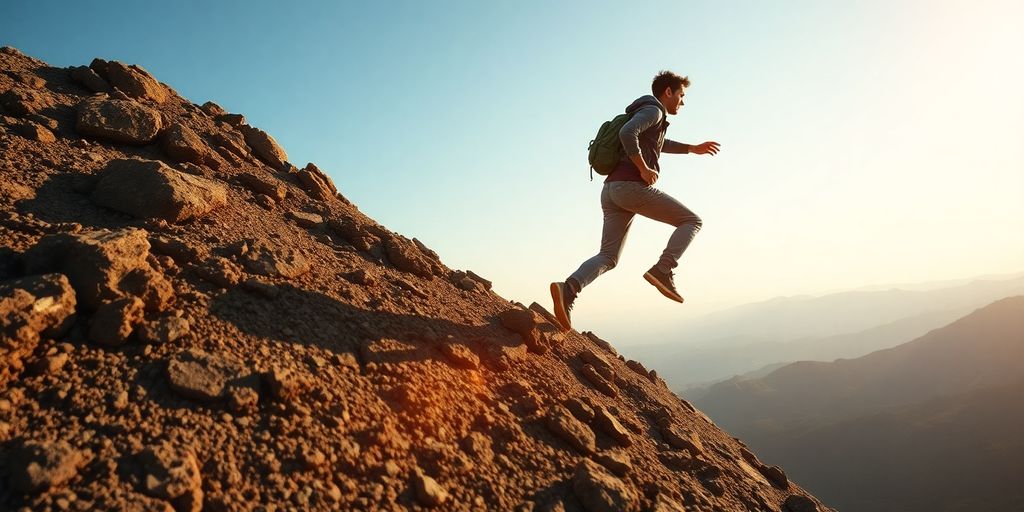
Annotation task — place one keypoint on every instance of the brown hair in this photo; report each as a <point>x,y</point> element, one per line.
<point>668,79</point>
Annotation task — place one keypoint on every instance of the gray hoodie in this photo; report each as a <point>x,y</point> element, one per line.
<point>644,133</point>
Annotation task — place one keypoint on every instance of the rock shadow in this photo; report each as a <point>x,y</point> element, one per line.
<point>289,314</point>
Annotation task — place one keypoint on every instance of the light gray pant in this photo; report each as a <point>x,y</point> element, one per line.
<point>620,201</point>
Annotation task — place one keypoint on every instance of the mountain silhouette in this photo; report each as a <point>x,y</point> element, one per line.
<point>932,424</point>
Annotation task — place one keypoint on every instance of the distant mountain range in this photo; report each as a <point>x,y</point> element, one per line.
<point>848,324</point>
<point>933,424</point>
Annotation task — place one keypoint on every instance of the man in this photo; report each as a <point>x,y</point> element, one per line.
<point>629,190</point>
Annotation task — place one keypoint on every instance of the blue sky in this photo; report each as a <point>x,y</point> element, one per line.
<point>862,142</point>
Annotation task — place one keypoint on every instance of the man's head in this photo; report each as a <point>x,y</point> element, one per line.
<point>670,88</point>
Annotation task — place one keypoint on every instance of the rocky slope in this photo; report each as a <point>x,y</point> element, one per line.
<point>191,322</point>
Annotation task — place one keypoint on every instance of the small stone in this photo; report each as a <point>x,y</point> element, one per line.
<point>663,503</point>
<point>51,364</point>
<point>677,439</point>
<point>232,119</point>
<point>120,400</point>
<point>264,146</point>
<point>212,109</point>
<point>305,219</point>
<point>600,491</point>
<point>775,475</point>
<point>114,321</point>
<point>599,363</point>
<point>563,424</point>
<point>261,288</point>
<point>264,185</point>
<point>182,144</point>
<point>220,271</point>
<point>36,132</point>
<point>316,183</point>
<point>460,355</point>
<point>173,474</point>
<point>579,409</point>
<point>610,425</point>
<point>284,384</point>
<point>37,466</point>
<point>88,78</point>
<point>594,378</point>
<point>272,260</point>
<point>163,330</point>
<point>313,458</point>
<point>135,82</point>
<point>428,492</point>
<point>242,400</point>
<point>617,463</point>
<point>201,376</point>
<point>479,446</point>
<point>265,201</point>
<point>799,503</point>
<point>405,256</point>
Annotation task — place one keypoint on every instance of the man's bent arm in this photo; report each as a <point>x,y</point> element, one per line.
<point>629,135</point>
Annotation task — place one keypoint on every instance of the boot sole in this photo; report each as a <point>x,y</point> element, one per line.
<point>661,288</point>
<point>556,296</point>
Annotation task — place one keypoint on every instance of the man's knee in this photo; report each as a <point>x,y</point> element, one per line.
<point>693,220</point>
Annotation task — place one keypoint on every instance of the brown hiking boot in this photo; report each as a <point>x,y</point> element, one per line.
<point>563,296</point>
<point>664,283</point>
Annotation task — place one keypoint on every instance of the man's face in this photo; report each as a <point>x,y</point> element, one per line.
<point>673,100</point>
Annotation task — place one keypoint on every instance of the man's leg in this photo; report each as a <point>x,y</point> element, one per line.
<point>613,237</point>
<point>664,208</point>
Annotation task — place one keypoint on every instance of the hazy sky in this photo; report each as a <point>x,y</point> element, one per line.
<point>862,142</point>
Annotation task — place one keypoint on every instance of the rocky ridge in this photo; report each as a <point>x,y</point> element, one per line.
<point>159,350</point>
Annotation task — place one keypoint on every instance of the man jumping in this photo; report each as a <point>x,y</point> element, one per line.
<point>629,190</point>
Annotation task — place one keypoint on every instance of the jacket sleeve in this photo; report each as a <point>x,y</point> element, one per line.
<point>643,119</point>
<point>672,146</point>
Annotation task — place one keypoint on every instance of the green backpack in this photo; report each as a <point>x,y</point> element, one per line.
<point>606,149</point>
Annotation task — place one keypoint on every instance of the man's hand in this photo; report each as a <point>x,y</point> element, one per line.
<point>649,175</point>
<point>705,148</point>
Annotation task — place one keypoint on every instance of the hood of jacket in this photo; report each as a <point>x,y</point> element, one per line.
<point>643,101</point>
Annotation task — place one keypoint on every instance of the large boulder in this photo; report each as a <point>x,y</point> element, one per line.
<point>31,308</point>
<point>121,121</point>
<point>264,146</point>
<point>102,266</point>
<point>150,189</point>
<point>135,82</point>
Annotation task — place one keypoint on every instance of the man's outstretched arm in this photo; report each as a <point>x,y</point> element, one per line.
<point>704,148</point>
